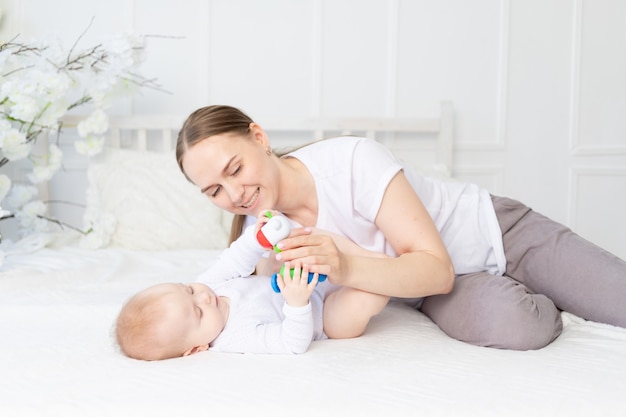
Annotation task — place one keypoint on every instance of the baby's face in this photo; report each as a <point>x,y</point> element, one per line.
<point>194,317</point>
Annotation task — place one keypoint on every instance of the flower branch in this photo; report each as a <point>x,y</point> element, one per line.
<point>62,225</point>
<point>41,83</point>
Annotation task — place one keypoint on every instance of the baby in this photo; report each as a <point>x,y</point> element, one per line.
<point>229,310</point>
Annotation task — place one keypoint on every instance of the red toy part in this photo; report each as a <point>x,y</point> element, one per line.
<point>260,237</point>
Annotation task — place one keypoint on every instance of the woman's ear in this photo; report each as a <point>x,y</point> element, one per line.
<point>258,134</point>
<point>196,349</point>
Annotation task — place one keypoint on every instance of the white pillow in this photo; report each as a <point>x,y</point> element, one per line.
<point>141,200</point>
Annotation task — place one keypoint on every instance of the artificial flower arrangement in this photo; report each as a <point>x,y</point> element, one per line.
<point>40,83</point>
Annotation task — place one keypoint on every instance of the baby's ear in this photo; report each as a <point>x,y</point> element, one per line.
<point>196,349</point>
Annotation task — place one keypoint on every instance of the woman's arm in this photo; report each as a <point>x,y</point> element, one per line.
<point>347,246</point>
<point>422,267</point>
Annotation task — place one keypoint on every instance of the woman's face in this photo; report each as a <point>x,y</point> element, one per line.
<point>234,171</point>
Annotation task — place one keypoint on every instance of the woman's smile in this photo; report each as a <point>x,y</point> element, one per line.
<point>252,200</point>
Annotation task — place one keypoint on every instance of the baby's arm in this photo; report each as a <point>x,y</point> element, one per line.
<point>291,336</point>
<point>295,333</point>
<point>238,260</point>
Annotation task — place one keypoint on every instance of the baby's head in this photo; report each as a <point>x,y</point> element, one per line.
<point>170,320</point>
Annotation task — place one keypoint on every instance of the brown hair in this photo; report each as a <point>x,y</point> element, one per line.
<point>210,121</point>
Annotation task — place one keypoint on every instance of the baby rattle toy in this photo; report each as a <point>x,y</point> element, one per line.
<point>276,229</point>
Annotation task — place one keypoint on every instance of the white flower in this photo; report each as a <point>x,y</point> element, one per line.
<point>97,123</point>
<point>46,166</point>
<point>40,97</point>
<point>101,232</point>
<point>5,186</point>
<point>90,146</point>
<point>19,101</point>
<point>4,213</point>
<point>14,145</point>
<point>28,216</point>
<point>19,195</point>
<point>5,125</point>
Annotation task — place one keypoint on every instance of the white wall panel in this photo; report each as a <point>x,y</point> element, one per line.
<point>598,207</point>
<point>82,23</point>
<point>538,104</point>
<point>177,54</point>
<point>354,71</point>
<point>444,52</point>
<point>602,78</point>
<point>261,56</point>
<point>489,177</point>
<point>67,19</point>
<point>538,86</point>
<point>597,124</point>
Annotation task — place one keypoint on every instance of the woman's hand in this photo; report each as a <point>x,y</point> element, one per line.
<point>325,252</point>
<point>318,251</point>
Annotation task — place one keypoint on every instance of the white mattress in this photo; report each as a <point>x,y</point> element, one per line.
<point>57,307</point>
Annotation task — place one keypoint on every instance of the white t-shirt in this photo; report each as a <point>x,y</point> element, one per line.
<point>351,179</point>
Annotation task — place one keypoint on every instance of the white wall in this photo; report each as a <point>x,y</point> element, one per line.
<point>539,86</point>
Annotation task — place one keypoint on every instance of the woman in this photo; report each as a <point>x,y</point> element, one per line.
<point>512,269</point>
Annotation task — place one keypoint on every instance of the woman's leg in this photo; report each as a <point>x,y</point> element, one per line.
<point>347,312</point>
<point>550,259</point>
<point>494,311</point>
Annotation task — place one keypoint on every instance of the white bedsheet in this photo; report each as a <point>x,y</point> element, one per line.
<point>57,307</point>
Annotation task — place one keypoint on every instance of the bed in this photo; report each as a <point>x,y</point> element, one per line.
<point>60,293</point>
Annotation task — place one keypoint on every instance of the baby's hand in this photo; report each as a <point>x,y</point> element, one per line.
<point>296,290</point>
<point>262,218</point>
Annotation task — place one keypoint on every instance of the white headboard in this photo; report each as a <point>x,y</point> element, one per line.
<point>410,138</point>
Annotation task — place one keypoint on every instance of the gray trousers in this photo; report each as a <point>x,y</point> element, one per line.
<point>549,268</point>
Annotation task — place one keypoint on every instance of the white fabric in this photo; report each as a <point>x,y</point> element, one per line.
<point>141,200</point>
<point>57,308</point>
<point>352,177</point>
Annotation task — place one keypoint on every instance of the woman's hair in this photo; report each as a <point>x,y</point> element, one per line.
<point>136,329</point>
<point>210,121</point>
